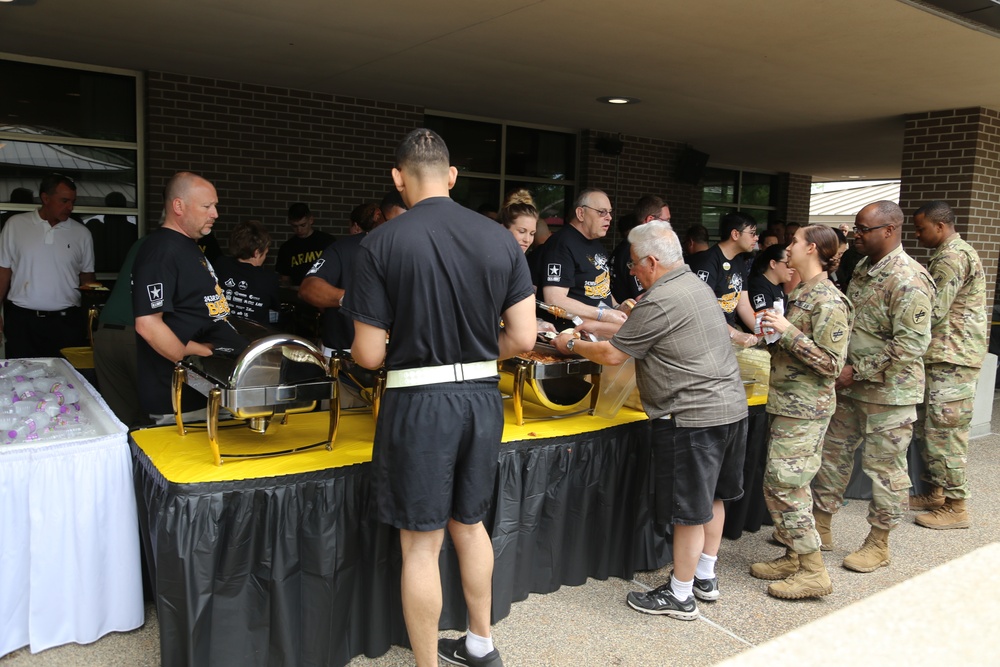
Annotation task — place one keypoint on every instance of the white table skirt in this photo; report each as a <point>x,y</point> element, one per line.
<point>69,541</point>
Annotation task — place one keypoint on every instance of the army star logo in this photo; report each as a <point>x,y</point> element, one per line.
<point>837,335</point>
<point>155,293</point>
<point>759,301</point>
<point>919,316</point>
<point>555,273</point>
<point>703,275</point>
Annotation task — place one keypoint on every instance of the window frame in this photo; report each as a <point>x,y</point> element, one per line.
<point>138,145</point>
<point>503,177</point>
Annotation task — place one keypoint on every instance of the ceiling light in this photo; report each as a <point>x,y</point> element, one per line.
<point>619,99</point>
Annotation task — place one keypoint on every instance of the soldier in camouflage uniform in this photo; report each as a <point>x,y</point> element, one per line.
<point>805,363</point>
<point>881,385</point>
<point>958,346</point>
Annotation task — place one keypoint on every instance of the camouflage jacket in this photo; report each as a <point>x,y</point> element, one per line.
<point>892,328</point>
<point>811,352</point>
<point>959,324</point>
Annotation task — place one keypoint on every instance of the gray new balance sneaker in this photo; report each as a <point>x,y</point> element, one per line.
<point>706,589</point>
<point>453,652</point>
<point>661,600</point>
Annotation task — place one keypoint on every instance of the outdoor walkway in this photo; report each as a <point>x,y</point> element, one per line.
<point>591,625</point>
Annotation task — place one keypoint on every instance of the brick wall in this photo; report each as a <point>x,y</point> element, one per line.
<point>793,204</point>
<point>265,148</point>
<point>954,156</point>
<point>644,167</point>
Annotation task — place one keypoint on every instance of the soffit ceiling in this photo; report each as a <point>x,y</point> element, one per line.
<point>814,87</point>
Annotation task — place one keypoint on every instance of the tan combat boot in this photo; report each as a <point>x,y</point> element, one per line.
<point>779,568</point>
<point>823,521</point>
<point>873,554</point>
<point>811,581</point>
<point>952,514</point>
<point>928,501</point>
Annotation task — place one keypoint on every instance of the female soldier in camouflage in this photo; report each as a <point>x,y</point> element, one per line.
<point>805,362</point>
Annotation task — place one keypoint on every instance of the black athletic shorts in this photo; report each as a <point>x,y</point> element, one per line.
<point>435,453</point>
<point>694,467</point>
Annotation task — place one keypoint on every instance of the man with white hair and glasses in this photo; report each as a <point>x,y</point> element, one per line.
<point>690,387</point>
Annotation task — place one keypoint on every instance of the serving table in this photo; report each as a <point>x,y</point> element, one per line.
<point>69,548</point>
<point>283,561</point>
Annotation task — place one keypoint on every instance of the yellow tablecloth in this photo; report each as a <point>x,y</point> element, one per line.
<point>188,459</point>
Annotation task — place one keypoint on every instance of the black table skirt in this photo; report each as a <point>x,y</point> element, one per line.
<point>295,570</point>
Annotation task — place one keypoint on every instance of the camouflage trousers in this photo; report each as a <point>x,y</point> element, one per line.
<point>793,457</point>
<point>943,427</point>
<point>886,431</point>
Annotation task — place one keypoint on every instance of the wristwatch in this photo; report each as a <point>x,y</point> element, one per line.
<point>571,344</point>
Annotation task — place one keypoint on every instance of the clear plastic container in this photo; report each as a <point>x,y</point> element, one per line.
<point>617,382</point>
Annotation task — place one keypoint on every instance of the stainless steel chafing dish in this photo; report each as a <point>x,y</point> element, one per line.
<point>546,378</point>
<point>276,375</point>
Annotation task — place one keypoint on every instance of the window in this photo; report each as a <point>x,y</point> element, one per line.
<point>494,157</point>
<point>81,122</point>
<point>728,190</point>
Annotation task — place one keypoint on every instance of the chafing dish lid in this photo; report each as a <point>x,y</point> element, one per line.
<point>275,360</point>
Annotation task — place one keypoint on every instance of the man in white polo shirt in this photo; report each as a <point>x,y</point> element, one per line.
<point>44,257</point>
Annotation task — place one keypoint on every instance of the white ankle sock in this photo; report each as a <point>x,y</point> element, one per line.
<point>681,589</point>
<point>706,566</point>
<point>478,646</point>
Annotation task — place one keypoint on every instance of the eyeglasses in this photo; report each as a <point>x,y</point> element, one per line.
<point>783,261</point>
<point>602,212</point>
<point>751,232</point>
<point>858,229</point>
<point>631,265</point>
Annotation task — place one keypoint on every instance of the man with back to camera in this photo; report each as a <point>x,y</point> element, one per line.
<point>391,206</point>
<point>297,254</point>
<point>441,277</point>
<point>695,241</point>
<point>690,387</point>
<point>577,272</point>
<point>880,386</point>
<point>725,269</point>
<point>624,286</point>
<point>179,308</point>
<point>44,257</point>
<point>330,276</point>
<point>959,337</point>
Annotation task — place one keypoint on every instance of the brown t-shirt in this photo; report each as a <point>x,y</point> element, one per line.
<point>685,365</point>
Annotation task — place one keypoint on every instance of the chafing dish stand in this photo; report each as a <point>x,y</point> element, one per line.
<point>279,374</point>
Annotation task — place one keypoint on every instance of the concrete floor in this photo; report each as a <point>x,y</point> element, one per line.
<point>591,624</point>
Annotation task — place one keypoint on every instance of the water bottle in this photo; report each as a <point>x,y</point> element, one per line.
<point>34,370</point>
<point>24,389</point>
<point>24,408</point>
<point>37,421</point>
<point>68,395</point>
<point>8,421</point>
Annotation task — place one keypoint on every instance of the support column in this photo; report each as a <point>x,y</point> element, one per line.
<point>954,156</point>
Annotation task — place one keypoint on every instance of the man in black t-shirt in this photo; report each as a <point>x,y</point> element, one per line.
<point>724,268</point>
<point>297,254</point>
<point>438,279</point>
<point>179,307</point>
<point>329,279</point>
<point>624,285</point>
<point>576,267</point>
